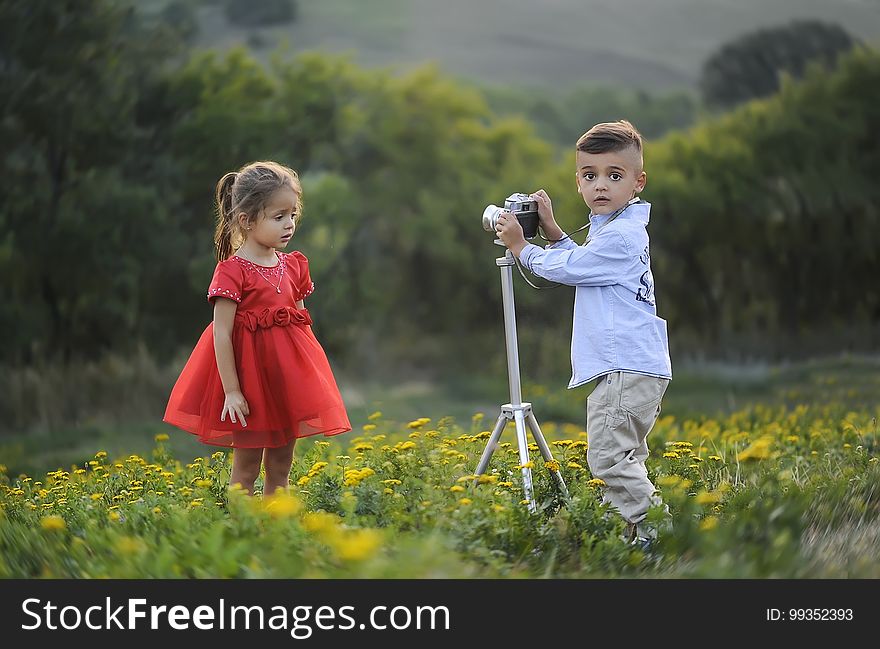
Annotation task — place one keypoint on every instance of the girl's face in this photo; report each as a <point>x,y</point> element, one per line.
<point>275,226</point>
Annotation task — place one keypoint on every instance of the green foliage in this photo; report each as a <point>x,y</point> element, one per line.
<point>767,217</point>
<point>752,66</point>
<point>113,144</point>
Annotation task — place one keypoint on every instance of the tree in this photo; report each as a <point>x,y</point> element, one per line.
<point>78,208</point>
<point>751,66</point>
<point>264,13</point>
<point>769,226</point>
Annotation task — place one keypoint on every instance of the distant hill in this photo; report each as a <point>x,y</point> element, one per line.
<point>650,44</point>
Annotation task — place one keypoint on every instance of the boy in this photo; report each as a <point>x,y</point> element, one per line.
<point>617,339</point>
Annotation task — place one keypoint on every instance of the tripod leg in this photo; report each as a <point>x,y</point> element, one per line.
<point>523,443</point>
<point>491,445</point>
<point>545,450</point>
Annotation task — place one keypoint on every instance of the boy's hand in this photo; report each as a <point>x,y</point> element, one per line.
<point>545,216</point>
<point>236,405</point>
<point>545,208</point>
<point>511,233</point>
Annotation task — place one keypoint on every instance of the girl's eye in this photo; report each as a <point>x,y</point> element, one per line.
<point>589,176</point>
<point>616,176</point>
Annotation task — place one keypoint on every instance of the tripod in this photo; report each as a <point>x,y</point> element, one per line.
<point>521,413</point>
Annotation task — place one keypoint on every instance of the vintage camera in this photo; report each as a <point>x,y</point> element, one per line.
<point>523,207</point>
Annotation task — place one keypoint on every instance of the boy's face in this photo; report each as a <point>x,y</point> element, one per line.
<point>607,181</point>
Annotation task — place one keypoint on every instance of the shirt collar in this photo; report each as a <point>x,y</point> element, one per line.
<point>638,208</point>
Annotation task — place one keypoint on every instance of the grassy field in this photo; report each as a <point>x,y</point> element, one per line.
<point>695,392</point>
<point>761,493</point>
<point>636,43</point>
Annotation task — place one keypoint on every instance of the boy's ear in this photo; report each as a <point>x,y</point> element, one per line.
<point>641,182</point>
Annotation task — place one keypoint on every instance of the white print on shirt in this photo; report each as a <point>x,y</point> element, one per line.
<point>647,280</point>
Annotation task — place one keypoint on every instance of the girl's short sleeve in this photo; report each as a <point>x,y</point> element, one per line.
<point>303,286</point>
<point>227,281</point>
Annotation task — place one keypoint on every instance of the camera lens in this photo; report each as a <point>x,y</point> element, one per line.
<point>490,217</point>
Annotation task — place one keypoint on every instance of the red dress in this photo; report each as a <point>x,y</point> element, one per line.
<point>282,369</point>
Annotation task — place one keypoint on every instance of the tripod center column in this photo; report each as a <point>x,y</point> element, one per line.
<point>506,265</point>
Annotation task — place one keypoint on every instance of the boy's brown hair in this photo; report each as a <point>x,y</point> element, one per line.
<point>610,136</point>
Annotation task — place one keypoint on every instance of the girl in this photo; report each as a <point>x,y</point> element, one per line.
<point>258,378</point>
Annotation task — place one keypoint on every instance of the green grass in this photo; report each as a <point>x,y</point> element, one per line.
<point>695,392</point>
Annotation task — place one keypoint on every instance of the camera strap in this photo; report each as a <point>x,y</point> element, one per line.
<point>614,215</point>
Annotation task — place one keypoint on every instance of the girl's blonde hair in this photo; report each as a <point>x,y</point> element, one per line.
<point>247,191</point>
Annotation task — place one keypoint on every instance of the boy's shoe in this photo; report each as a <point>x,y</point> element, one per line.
<point>641,536</point>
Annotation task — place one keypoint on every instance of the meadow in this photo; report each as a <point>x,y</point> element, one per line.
<point>764,491</point>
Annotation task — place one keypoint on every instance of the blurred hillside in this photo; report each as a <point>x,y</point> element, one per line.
<point>649,44</point>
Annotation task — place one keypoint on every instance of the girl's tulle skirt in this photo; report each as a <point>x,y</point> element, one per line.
<point>284,376</point>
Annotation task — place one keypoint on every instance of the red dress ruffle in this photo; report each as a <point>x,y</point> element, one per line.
<point>282,368</point>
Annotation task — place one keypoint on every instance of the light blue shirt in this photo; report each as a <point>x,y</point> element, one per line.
<point>615,314</point>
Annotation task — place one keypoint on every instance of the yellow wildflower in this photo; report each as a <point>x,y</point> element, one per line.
<point>465,501</point>
<point>596,482</point>
<point>320,522</point>
<point>53,523</point>
<point>709,523</point>
<point>759,450</point>
<point>707,497</point>
<point>357,545</point>
<point>282,505</point>
<point>161,437</point>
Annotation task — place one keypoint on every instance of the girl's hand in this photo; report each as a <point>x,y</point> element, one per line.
<point>545,208</point>
<point>236,405</point>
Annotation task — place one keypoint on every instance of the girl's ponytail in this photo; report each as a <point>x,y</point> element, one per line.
<point>225,217</point>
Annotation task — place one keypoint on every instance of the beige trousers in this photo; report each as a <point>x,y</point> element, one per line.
<point>621,410</point>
